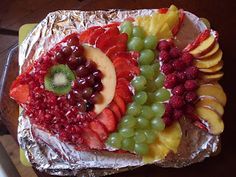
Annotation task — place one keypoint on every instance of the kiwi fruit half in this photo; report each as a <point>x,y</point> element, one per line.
<point>58,79</point>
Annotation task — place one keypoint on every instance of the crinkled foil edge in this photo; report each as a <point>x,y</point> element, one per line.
<point>48,154</point>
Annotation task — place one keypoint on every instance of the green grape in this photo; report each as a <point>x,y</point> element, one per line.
<point>128,121</point>
<point>126,27</point>
<point>162,94</point>
<point>147,71</point>
<point>139,83</point>
<point>126,132</point>
<point>134,109</point>
<point>146,57</point>
<point>150,86</point>
<point>141,97</point>
<point>139,137</point>
<point>150,136</point>
<point>159,80</point>
<point>141,148</point>
<point>156,68</point>
<point>128,144</point>
<point>150,42</point>
<point>158,124</point>
<point>151,98</point>
<point>158,109</point>
<point>143,123</point>
<point>147,112</point>
<point>138,32</point>
<point>114,140</point>
<point>135,43</point>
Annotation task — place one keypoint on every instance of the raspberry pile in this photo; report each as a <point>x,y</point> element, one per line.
<point>181,77</point>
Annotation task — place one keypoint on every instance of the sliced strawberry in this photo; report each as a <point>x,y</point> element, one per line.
<point>123,90</point>
<point>113,31</point>
<point>95,34</point>
<point>111,52</point>
<point>91,139</point>
<point>99,128</point>
<point>20,93</point>
<point>163,10</point>
<point>85,35</point>
<point>176,28</point>
<point>131,56</point>
<point>113,24</point>
<point>128,61</point>
<point>107,118</point>
<point>121,104</point>
<point>116,110</point>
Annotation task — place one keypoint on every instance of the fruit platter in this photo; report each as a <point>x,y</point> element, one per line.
<point>107,91</point>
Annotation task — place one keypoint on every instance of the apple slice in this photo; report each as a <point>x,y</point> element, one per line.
<point>211,52</point>
<point>212,104</point>
<point>211,119</point>
<point>211,77</point>
<point>105,65</point>
<point>212,90</point>
<point>213,69</point>
<point>209,61</point>
<point>204,47</point>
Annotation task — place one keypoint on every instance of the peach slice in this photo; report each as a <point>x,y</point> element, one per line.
<point>211,119</point>
<point>212,104</point>
<point>211,52</point>
<point>212,77</point>
<point>204,47</point>
<point>209,61</point>
<point>213,69</point>
<point>212,90</point>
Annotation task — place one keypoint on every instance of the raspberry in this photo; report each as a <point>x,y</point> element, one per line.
<point>168,110</point>
<point>164,56</point>
<point>190,97</point>
<point>188,109</point>
<point>177,114</point>
<point>190,85</point>
<point>177,101</point>
<point>187,58</point>
<point>191,72</point>
<point>175,52</point>
<point>167,68</point>
<point>178,65</point>
<point>181,76</point>
<point>164,45</point>
<point>178,90</point>
<point>170,81</point>
<point>167,120</point>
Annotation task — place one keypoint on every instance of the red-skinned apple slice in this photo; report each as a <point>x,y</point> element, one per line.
<point>213,69</point>
<point>211,52</point>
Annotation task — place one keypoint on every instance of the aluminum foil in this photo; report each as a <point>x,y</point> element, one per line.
<point>48,154</point>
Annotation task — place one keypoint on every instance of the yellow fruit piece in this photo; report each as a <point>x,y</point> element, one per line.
<point>211,52</point>
<point>167,140</point>
<point>206,22</point>
<point>213,69</point>
<point>105,65</point>
<point>212,76</point>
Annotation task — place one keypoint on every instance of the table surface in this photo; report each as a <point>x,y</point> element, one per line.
<point>14,13</point>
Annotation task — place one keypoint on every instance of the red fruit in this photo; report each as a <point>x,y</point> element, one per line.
<point>187,58</point>
<point>168,110</point>
<point>107,118</point>
<point>175,52</point>
<point>178,90</point>
<point>121,104</point>
<point>188,109</point>
<point>167,120</point>
<point>115,109</point>
<point>91,139</point>
<point>167,68</point>
<point>191,97</point>
<point>95,34</point>
<point>110,25</point>
<point>190,85</point>
<point>127,60</point>
<point>20,93</point>
<point>123,90</point>
<point>170,81</point>
<point>177,114</point>
<point>192,72</point>
<point>181,76</point>
<point>177,101</point>
<point>99,129</point>
<point>164,56</point>
<point>178,65</point>
<point>112,52</point>
<point>85,35</point>
<point>163,10</point>
<point>164,45</point>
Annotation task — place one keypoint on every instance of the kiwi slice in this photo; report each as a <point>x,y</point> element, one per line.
<point>58,79</point>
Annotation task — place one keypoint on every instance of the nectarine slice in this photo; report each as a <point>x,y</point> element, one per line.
<point>213,69</point>
<point>212,104</point>
<point>212,76</point>
<point>211,52</point>
<point>211,119</point>
<point>209,61</point>
<point>105,65</point>
<point>212,90</point>
<point>204,47</point>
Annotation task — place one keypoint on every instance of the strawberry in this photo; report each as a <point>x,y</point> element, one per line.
<point>113,24</point>
<point>95,34</point>
<point>85,35</point>
<point>163,10</point>
<point>111,52</point>
<point>116,110</point>
<point>123,90</point>
<point>99,129</point>
<point>91,139</point>
<point>121,104</point>
<point>107,118</point>
<point>20,93</point>
<point>176,28</point>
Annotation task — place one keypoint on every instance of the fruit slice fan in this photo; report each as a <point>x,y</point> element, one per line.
<point>156,85</point>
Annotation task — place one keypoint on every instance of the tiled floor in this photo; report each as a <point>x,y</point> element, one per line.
<point>13,151</point>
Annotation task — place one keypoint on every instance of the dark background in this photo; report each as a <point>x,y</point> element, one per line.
<point>221,14</point>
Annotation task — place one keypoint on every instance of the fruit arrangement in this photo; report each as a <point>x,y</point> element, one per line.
<point>124,87</point>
